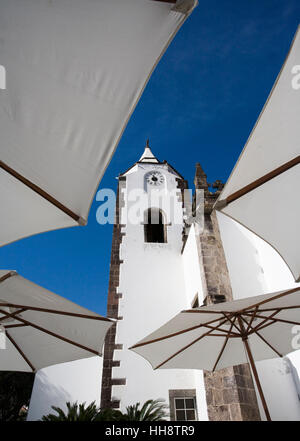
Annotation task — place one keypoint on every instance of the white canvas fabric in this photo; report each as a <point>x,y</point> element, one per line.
<point>75,70</point>
<point>272,210</point>
<point>33,342</point>
<point>168,348</point>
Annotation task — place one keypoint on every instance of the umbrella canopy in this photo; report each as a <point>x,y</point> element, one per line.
<point>259,193</point>
<point>42,328</point>
<point>222,335</point>
<point>75,70</point>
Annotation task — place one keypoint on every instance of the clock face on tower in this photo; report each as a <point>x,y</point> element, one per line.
<point>155,178</point>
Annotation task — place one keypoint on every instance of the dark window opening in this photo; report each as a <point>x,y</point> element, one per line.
<point>185,409</point>
<point>154,226</point>
<point>183,405</point>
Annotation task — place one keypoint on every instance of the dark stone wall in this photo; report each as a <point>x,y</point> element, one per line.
<point>113,309</point>
<point>230,392</point>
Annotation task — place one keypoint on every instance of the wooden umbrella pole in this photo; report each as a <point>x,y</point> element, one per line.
<point>256,377</point>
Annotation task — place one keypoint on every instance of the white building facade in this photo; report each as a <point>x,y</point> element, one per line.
<point>155,272</point>
<point>150,290</point>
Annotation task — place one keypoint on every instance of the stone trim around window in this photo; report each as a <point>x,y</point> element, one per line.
<point>181,393</point>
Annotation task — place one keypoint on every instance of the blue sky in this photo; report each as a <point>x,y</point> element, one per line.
<point>199,106</point>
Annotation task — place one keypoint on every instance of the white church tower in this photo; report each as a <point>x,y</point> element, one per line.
<point>146,289</point>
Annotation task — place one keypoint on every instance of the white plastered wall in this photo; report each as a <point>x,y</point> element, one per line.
<point>74,381</point>
<point>191,265</point>
<point>153,290</point>
<point>256,268</point>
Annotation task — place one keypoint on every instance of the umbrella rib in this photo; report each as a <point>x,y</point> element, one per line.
<point>200,311</point>
<point>267,343</point>
<point>187,346</point>
<point>55,311</point>
<point>281,308</point>
<point>262,338</point>
<point>224,345</point>
<point>11,315</point>
<point>229,318</point>
<point>264,326</point>
<point>42,193</point>
<point>290,322</point>
<point>278,296</point>
<point>7,276</point>
<point>53,334</point>
<point>225,331</point>
<point>224,334</point>
<point>260,181</point>
<point>252,318</point>
<point>270,317</point>
<point>20,351</point>
<point>173,334</point>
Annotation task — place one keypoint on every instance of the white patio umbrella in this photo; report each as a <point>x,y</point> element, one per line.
<point>222,335</point>
<point>260,192</point>
<point>75,70</point>
<point>42,328</point>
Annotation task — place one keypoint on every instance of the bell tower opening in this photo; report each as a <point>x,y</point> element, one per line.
<point>155,226</point>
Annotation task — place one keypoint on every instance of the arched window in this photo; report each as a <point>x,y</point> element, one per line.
<point>154,226</point>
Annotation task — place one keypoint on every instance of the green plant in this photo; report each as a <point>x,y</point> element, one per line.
<point>110,415</point>
<point>75,412</point>
<point>152,410</point>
